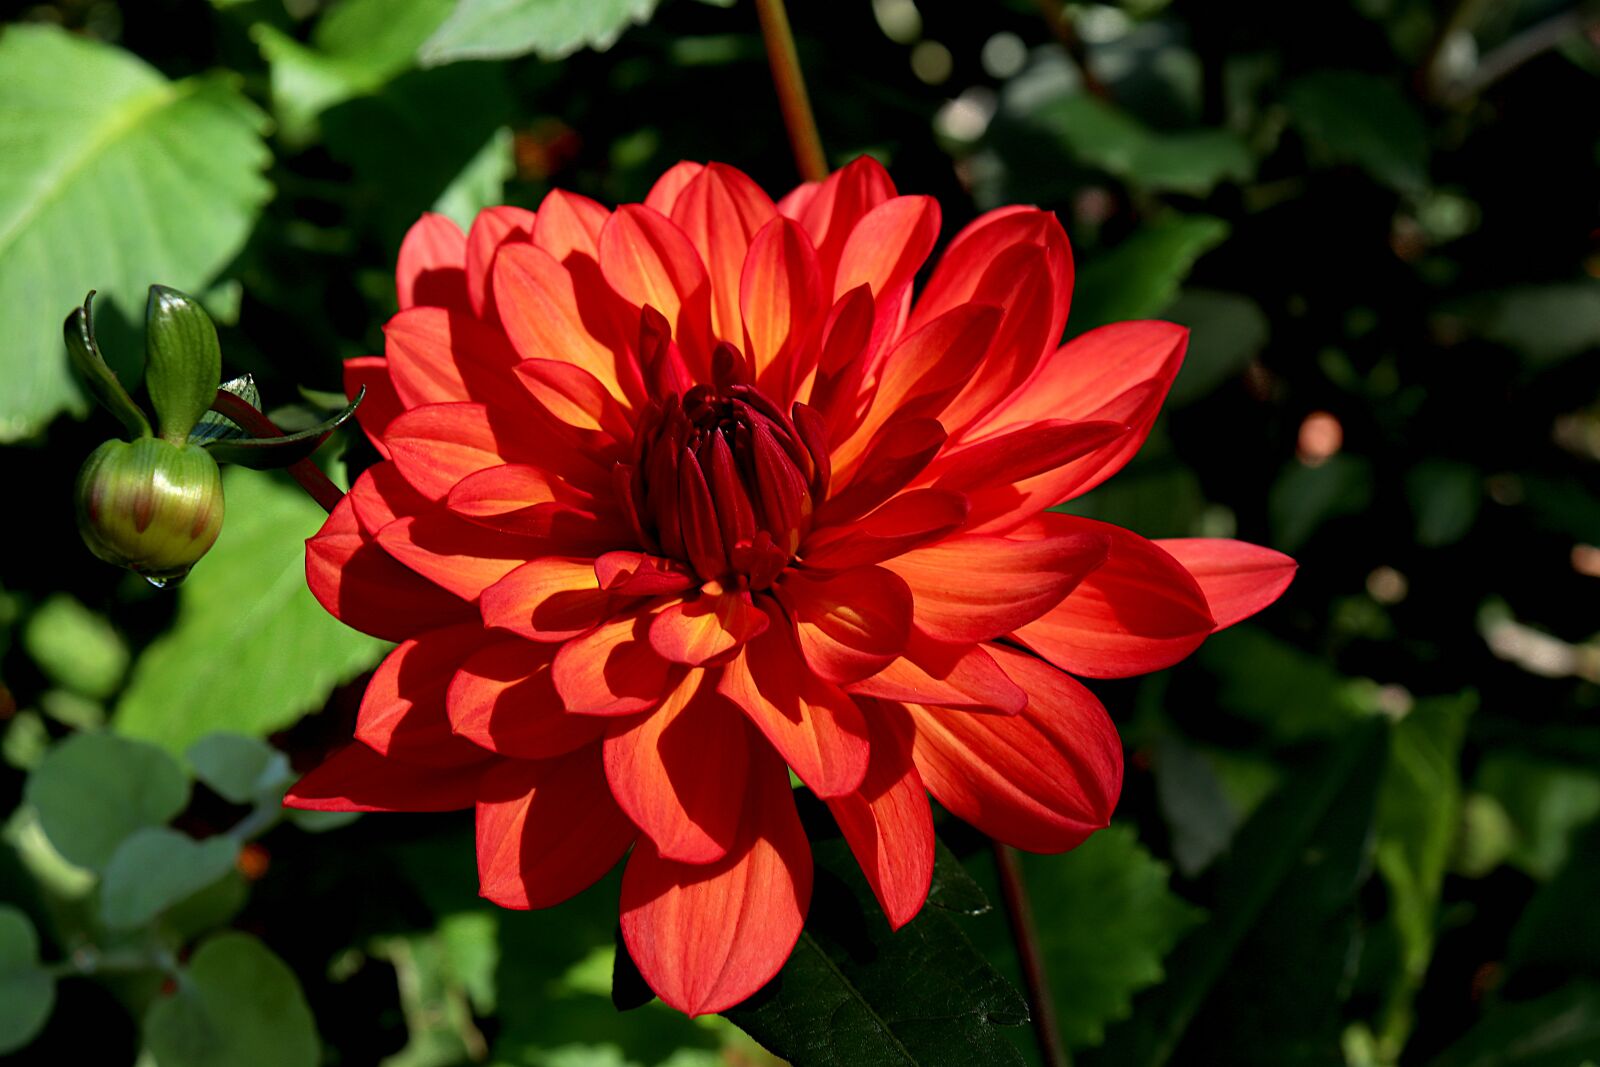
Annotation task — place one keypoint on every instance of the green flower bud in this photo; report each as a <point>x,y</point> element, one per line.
<point>150,505</point>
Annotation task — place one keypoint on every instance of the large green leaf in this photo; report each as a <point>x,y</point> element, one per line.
<point>1259,982</point>
<point>27,992</point>
<point>1352,117</point>
<point>1105,920</point>
<point>1558,1030</point>
<point>114,178</point>
<point>156,868</point>
<point>252,650</point>
<point>237,1005</point>
<point>854,992</point>
<point>245,770</point>
<point>1140,277</point>
<point>93,790</point>
<point>550,29</point>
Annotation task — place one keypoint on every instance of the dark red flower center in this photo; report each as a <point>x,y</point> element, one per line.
<point>723,480</point>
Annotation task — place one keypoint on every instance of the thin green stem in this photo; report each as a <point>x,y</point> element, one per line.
<point>1019,913</point>
<point>791,86</point>
<point>307,473</point>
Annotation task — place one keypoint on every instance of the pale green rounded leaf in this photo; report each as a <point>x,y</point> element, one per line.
<point>239,768</point>
<point>550,29</point>
<point>237,1005</point>
<point>156,868</point>
<point>114,178</point>
<point>252,650</point>
<point>27,992</point>
<point>93,790</point>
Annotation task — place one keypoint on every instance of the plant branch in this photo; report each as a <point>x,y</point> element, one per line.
<point>791,86</point>
<point>1019,913</point>
<point>1526,45</point>
<point>307,473</point>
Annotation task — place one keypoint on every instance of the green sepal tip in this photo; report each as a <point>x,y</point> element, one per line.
<point>96,374</point>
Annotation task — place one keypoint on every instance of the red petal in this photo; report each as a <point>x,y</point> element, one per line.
<point>781,303</point>
<point>576,397</point>
<point>429,268</point>
<point>957,676</point>
<point>504,699</point>
<point>436,356</point>
<point>547,829</point>
<point>976,587</point>
<point>544,318</point>
<point>381,404</point>
<point>664,193</point>
<point>521,499</point>
<point>569,223</point>
<point>611,670</point>
<point>437,445</point>
<point>813,724</point>
<point>851,624</point>
<point>1042,780</point>
<point>679,771</point>
<point>1238,579</point>
<point>889,826</point>
<point>989,471</point>
<point>454,554</point>
<point>355,778</point>
<point>1141,611</point>
<point>650,262</point>
<point>403,709</point>
<point>639,574</point>
<point>902,524</point>
<point>885,251</point>
<point>831,209</point>
<point>494,227</point>
<point>706,936</point>
<point>381,495</point>
<point>548,599</point>
<point>707,628</point>
<point>362,586</point>
<point>720,210</point>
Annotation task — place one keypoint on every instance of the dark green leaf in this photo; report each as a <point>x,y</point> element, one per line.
<point>1560,929</point>
<point>1294,694</point>
<point>113,176</point>
<point>1259,982</point>
<point>1445,497</point>
<point>1558,1030</point>
<point>1226,331</point>
<point>237,1005</point>
<point>1139,277</point>
<point>93,790</point>
<point>27,992</point>
<point>1547,803</point>
<point>1305,497</point>
<point>854,992</point>
<point>252,650</point>
<point>1105,920</point>
<point>953,889</point>
<point>1546,323</point>
<point>155,868</point>
<point>183,360</point>
<point>1359,118</point>
<point>550,29</point>
<point>242,769</point>
<point>93,371</point>
<point>269,453</point>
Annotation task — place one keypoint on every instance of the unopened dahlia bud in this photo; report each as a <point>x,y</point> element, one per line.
<point>150,505</point>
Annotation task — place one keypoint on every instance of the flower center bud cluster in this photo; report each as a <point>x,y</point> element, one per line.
<point>723,480</point>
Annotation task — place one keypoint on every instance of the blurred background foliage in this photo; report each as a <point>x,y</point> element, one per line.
<point>1363,830</point>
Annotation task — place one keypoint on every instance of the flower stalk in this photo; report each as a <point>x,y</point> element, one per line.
<point>791,85</point>
<point>1019,914</point>
<point>304,471</point>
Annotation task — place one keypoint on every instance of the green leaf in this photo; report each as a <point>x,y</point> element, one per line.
<point>1419,815</point>
<point>93,790</point>
<point>1140,277</point>
<point>113,176</point>
<point>83,351</point>
<point>481,183</point>
<point>1559,931</point>
<point>270,453</point>
<point>252,651</point>
<point>244,770</point>
<point>1261,978</point>
<point>355,48</point>
<point>853,992</point>
<point>155,868</point>
<point>237,1005</point>
<point>1558,1030</point>
<point>1294,694</point>
<point>76,647</point>
<point>1359,118</point>
<point>27,991</point>
<point>1305,497</point>
<point>1105,920</point>
<point>1226,331</point>
<point>1546,323</point>
<point>1547,803</point>
<point>1445,497</point>
<point>183,360</point>
<point>1102,135</point>
<point>550,29</point>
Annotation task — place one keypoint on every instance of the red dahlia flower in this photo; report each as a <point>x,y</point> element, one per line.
<point>678,495</point>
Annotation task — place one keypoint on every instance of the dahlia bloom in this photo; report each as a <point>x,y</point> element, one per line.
<point>679,495</point>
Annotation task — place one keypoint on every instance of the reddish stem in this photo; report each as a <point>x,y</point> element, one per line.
<point>307,473</point>
<point>791,85</point>
<point>1014,891</point>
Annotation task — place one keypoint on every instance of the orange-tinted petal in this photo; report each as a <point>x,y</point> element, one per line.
<point>429,270</point>
<point>504,699</point>
<point>664,193</point>
<point>494,227</point>
<point>455,554</point>
<point>612,670</point>
<point>1238,579</point>
<point>902,524</point>
<point>403,709</point>
<point>569,223</point>
<point>380,405</point>
<point>956,676</point>
<point>436,355</point>
<point>543,316</point>
<point>708,628</point>
<point>650,262</point>
<point>721,210</point>
<point>552,598</point>
<point>355,778</point>
<point>850,624</point>
<point>781,303</point>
